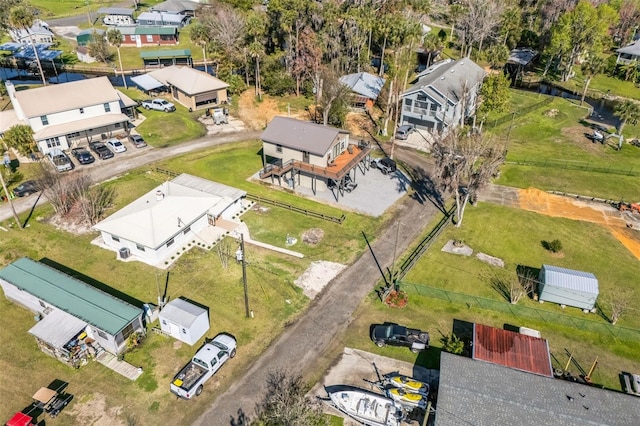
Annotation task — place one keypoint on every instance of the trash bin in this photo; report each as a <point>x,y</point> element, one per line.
<point>124,252</point>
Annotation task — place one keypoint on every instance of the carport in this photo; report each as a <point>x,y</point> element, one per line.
<point>147,83</point>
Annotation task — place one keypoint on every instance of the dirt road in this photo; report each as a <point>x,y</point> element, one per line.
<point>302,344</point>
<point>104,170</point>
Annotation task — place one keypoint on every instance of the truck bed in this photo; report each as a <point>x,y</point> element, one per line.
<point>189,375</point>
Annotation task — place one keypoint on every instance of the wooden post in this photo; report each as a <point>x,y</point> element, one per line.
<point>244,276</point>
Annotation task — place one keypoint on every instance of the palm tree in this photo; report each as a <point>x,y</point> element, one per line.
<point>114,37</point>
<point>200,36</point>
<point>590,68</point>
<point>22,18</point>
<point>432,45</point>
<point>627,110</point>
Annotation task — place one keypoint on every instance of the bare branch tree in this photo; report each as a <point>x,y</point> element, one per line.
<point>514,289</point>
<point>618,302</point>
<point>465,163</point>
<point>94,201</point>
<point>285,403</point>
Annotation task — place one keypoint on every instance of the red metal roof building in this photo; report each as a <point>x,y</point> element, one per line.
<point>511,349</point>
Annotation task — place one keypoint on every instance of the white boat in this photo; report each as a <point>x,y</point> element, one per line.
<point>409,384</point>
<point>368,408</point>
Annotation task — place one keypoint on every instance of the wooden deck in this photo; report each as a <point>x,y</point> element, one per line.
<point>121,367</point>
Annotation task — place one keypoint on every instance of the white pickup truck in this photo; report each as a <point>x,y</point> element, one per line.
<point>189,381</point>
<point>158,104</point>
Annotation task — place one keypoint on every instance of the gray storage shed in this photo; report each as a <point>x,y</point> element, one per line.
<point>184,321</point>
<point>568,287</point>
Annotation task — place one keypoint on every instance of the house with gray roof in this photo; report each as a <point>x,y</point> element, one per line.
<point>39,33</point>
<point>65,115</point>
<point>473,392</point>
<point>443,96</point>
<point>568,287</point>
<point>169,218</point>
<point>296,152</point>
<point>629,53</point>
<point>365,87</point>
<point>162,18</point>
<point>70,311</point>
<point>149,35</point>
<point>183,7</point>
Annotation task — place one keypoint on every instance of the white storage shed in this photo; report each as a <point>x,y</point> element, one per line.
<point>568,287</point>
<point>184,321</point>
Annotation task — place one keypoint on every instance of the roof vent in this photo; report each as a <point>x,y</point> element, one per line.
<point>159,195</point>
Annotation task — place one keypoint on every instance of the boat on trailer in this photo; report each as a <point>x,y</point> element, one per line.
<point>367,407</point>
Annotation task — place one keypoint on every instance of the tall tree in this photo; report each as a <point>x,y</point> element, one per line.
<point>626,111</point>
<point>114,37</point>
<point>629,13</point>
<point>99,48</point>
<point>593,66</point>
<point>494,96</point>
<point>465,163</point>
<point>256,33</point>
<point>226,28</point>
<point>308,57</point>
<point>8,195</point>
<point>22,17</point>
<point>332,91</point>
<point>479,21</point>
<point>200,36</point>
<point>20,137</point>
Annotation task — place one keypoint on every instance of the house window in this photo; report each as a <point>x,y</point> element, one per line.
<point>279,149</point>
<point>170,242</point>
<point>81,110</point>
<point>116,239</point>
<point>407,104</point>
<point>149,38</point>
<point>42,304</point>
<point>186,230</point>
<point>117,125</point>
<point>107,108</point>
<point>52,142</point>
<point>127,331</point>
<point>132,37</point>
<point>44,119</point>
<point>139,247</point>
<point>101,334</point>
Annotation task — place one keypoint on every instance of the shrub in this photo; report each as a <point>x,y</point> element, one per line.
<point>452,344</point>
<point>554,246</point>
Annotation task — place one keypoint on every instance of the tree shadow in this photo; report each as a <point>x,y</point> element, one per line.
<point>241,420</point>
<point>601,313</point>
<point>33,207</point>
<point>424,188</point>
<point>501,286</point>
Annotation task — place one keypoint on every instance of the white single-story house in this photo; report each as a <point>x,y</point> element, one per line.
<point>65,115</point>
<point>70,311</point>
<point>39,33</point>
<point>568,287</point>
<point>184,321</point>
<point>162,18</point>
<point>444,95</point>
<point>154,227</point>
<point>185,7</point>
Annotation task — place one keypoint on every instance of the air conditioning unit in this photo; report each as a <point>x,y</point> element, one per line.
<point>124,252</point>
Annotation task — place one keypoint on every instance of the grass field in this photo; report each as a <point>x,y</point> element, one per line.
<point>554,134</point>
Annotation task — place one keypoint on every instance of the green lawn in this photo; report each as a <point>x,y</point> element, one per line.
<point>554,134</point>
<point>602,85</point>
<point>199,274</point>
<point>50,9</point>
<point>515,236</point>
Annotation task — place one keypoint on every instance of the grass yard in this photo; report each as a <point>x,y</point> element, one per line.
<point>50,9</point>
<point>601,85</point>
<point>554,134</point>
<point>199,275</point>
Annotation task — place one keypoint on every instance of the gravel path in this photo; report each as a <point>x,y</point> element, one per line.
<point>303,343</point>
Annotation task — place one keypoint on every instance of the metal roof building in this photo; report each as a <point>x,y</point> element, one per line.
<point>184,321</point>
<point>511,349</point>
<point>301,135</point>
<point>478,393</point>
<point>568,287</point>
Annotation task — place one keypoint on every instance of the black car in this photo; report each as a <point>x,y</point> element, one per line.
<point>26,188</point>
<point>137,141</point>
<point>101,150</point>
<point>397,335</point>
<point>83,155</point>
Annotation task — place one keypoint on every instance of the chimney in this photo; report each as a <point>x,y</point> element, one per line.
<point>159,195</point>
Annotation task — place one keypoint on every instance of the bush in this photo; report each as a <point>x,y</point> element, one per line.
<point>554,246</point>
<point>452,344</point>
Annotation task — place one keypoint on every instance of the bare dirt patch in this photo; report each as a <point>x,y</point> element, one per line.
<point>318,275</point>
<point>95,412</point>
<point>257,115</point>
<point>313,236</point>
<point>577,135</point>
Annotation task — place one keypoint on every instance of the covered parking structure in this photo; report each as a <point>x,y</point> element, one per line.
<point>167,57</point>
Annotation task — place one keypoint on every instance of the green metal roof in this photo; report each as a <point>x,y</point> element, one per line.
<point>73,296</point>
<point>170,53</point>
<point>156,30</point>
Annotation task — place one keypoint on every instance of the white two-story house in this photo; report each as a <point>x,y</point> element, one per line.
<point>66,115</point>
<point>444,95</point>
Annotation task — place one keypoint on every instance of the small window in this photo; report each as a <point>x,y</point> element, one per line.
<point>132,37</point>
<point>102,334</point>
<point>118,125</point>
<point>170,242</point>
<point>107,108</point>
<point>139,247</point>
<point>81,110</point>
<point>44,119</point>
<point>164,322</point>
<point>279,149</point>
<point>186,230</point>
<point>149,38</point>
<point>116,239</point>
<point>42,304</point>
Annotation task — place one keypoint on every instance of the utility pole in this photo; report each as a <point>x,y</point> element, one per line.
<point>393,262</point>
<point>244,277</point>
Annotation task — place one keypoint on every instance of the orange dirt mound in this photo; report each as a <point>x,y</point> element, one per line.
<point>538,201</point>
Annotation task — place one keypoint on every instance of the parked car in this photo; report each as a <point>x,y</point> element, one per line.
<point>386,165</point>
<point>60,160</point>
<point>137,141</point>
<point>404,131</point>
<point>83,155</point>
<point>26,188</point>
<point>158,104</point>
<point>397,335</point>
<point>116,146</point>
<point>101,150</point>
